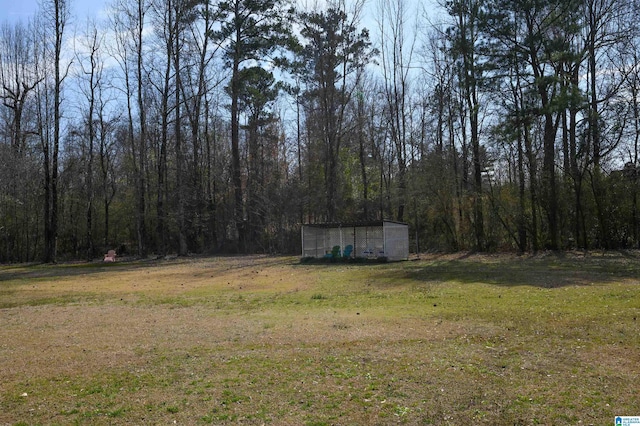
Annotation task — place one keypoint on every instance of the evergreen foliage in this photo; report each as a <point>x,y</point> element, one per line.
<point>211,127</point>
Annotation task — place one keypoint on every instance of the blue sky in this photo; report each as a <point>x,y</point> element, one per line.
<point>81,9</point>
<point>13,10</point>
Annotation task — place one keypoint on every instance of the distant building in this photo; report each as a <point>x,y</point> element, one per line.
<point>373,240</point>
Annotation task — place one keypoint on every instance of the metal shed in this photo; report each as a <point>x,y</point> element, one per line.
<point>380,239</point>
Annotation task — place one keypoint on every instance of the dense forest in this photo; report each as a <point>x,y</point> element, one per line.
<point>220,126</point>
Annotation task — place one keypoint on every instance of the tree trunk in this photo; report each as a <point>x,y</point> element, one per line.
<point>236,173</point>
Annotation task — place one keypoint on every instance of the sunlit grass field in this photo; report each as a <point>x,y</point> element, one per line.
<point>459,339</point>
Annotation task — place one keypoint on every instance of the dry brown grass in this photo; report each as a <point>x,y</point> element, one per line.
<point>262,340</point>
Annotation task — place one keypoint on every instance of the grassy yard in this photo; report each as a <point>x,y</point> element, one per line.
<point>444,340</point>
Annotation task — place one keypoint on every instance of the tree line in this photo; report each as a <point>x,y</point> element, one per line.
<point>220,126</point>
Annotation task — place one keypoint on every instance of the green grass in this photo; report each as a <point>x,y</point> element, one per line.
<point>548,339</point>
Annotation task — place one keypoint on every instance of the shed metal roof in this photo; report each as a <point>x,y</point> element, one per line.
<point>352,224</point>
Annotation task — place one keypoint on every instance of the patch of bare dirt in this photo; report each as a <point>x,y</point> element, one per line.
<point>46,341</point>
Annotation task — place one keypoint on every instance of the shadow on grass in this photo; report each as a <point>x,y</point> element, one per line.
<point>61,270</point>
<point>73,269</point>
<point>550,270</point>
<point>547,270</point>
